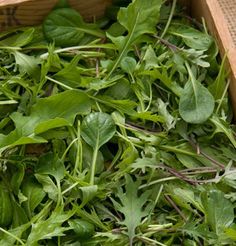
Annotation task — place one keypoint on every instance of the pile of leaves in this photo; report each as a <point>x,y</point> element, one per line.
<point>117,132</point>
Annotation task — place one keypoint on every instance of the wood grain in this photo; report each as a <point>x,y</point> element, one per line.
<point>32,12</point>
<point>211,11</point>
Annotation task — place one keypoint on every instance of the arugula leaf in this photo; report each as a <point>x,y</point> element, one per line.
<point>138,19</point>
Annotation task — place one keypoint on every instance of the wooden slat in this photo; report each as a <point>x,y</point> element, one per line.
<point>211,11</point>
<point>32,12</point>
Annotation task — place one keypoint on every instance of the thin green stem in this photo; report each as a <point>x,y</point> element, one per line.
<point>59,83</point>
<point>170,18</point>
<point>12,235</point>
<point>78,161</point>
<point>93,166</point>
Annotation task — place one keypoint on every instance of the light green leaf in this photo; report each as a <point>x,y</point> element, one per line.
<point>193,38</point>
<point>51,227</point>
<point>196,103</point>
<point>131,206</point>
<point>219,212</point>
<point>128,64</point>
<point>223,127</point>
<point>88,193</point>
<point>27,64</point>
<point>48,186</point>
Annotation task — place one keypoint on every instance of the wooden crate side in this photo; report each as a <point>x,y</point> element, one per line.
<point>32,12</point>
<point>212,13</point>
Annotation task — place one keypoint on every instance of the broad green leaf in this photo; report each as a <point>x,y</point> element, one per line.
<point>65,27</point>
<point>128,64</point>
<point>70,74</point>
<point>192,37</point>
<point>27,64</point>
<point>50,164</point>
<point>34,193</point>
<point>131,206</point>
<point>97,129</point>
<point>196,103</point>
<point>48,186</point>
<point>19,39</point>
<point>219,212</point>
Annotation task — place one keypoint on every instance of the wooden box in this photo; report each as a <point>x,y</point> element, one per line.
<point>219,15</point>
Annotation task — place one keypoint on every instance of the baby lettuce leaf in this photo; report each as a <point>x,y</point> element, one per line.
<point>196,103</point>
<point>65,27</point>
<point>97,129</point>
<point>138,19</point>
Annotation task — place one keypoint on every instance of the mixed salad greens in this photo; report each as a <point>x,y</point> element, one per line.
<point>117,132</point>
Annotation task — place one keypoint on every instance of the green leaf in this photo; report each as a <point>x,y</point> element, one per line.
<point>82,228</point>
<point>196,103</point>
<point>223,127</point>
<point>131,206</point>
<point>128,64</point>
<point>219,212</point>
<point>34,193</point>
<point>65,27</point>
<point>88,193</point>
<point>51,227</point>
<point>192,37</point>
<point>48,186</point>
<point>48,113</point>
<point>70,74</point>
<point>20,39</point>
<point>138,19</point>
<point>97,129</point>
<point>50,164</point>
<point>27,64</point>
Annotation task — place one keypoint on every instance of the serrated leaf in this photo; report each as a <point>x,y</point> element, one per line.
<point>219,212</point>
<point>132,206</point>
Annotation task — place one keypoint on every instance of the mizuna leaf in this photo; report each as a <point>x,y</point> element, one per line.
<point>218,210</point>
<point>132,206</point>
